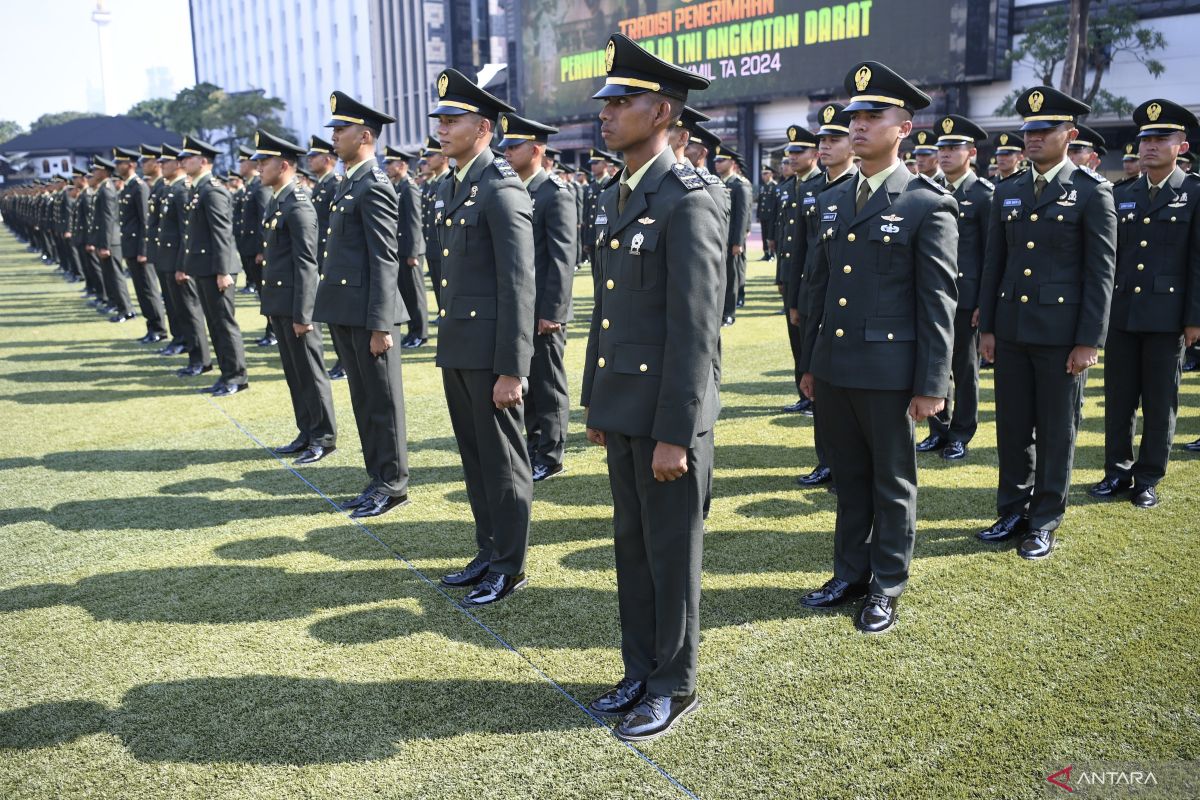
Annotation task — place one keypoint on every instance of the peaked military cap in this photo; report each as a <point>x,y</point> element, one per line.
<point>1160,117</point>
<point>1045,107</point>
<point>703,136</point>
<point>956,129</point>
<point>874,87</point>
<point>195,147</point>
<point>267,145</point>
<point>1186,158</point>
<point>103,163</point>
<point>553,152</point>
<point>634,70</point>
<point>125,154</point>
<point>1131,154</point>
<point>457,94</point>
<point>1006,142</point>
<point>799,139</point>
<point>319,147</point>
<point>834,119</point>
<point>432,145</point>
<point>908,158</point>
<point>245,153</point>
<point>596,154</point>
<point>924,142</point>
<point>1088,137</point>
<point>690,118</point>
<point>724,153</point>
<point>345,110</point>
<point>396,154</point>
<point>79,173</point>
<point>151,152</point>
<point>518,130</point>
<point>768,168</point>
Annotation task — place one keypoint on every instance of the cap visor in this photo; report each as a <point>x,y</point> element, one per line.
<point>338,123</point>
<point>1158,132</point>
<point>448,111</point>
<point>867,105</point>
<point>617,90</point>
<point>1038,125</point>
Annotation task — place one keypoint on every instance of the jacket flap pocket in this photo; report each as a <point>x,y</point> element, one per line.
<point>1056,293</point>
<point>474,308</point>
<point>342,277</point>
<point>1167,284</point>
<point>638,358</point>
<point>467,216</point>
<point>641,240</point>
<point>889,233</point>
<point>891,329</point>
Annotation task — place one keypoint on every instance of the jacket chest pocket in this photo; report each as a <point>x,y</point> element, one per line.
<point>640,261</point>
<point>1063,224</point>
<point>463,227</point>
<point>889,243</point>
<point>1011,217</point>
<point>343,214</point>
<point>1173,223</point>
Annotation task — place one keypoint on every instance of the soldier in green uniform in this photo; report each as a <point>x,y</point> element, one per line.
<point>134,202</point>
<point>547,406</point>
<point>439,170</point>
<point>172,224</point>
<point>410,241</point>
<point>1085,149</point>
<point>796,201</point>
<point>359,297</point>
<point>1155,305</point>
<point>1130,165</point>
<point>649,386</point>
<point>152,175</point>
<point>925,153</point>
<point>837,157</point>
<point>952,428</point>
<point>287,293</point>
<point>485,342</point>
<point>1010,151</point>
<point>89,258</point>
<point>741,198</point>
<point>877,353</point>
<point>1043,314</point>
<point>765,209</point>
<point>322,161</point>
<point>105,240</point>
<point>210,258</point>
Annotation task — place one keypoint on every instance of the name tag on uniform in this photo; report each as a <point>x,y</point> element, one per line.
<point>440,204</point>
<point>809,200</point>
<point>602,219</point>
<point>1127,206</point>
<point>829,216</point>
<point>1012,201</point>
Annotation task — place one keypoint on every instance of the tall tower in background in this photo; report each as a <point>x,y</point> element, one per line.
<point>102,17</point>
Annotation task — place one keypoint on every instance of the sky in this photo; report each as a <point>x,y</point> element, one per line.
<point>149,55</point>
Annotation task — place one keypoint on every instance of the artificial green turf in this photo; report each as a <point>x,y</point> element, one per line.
<point>180,616</point>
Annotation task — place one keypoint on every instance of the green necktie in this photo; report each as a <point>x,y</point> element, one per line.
<point>1038,185</point>
<point>864,194</point>
<point>623,196</point>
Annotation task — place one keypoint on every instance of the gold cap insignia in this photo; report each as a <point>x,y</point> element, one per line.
<point>921,137</point>
<point>793,133</point>
<point>443,84</point>
<point>1035,102</point>
<point>1129,149</point>
<point>1004,138</point>
<point>610,55</point>
<point>947,125</point>
<point>828,113</point>
<point>333,104</point>
<point>256,138</point>
<point>862,78</point>
<point>504,123</point>
<point>1153,112</point>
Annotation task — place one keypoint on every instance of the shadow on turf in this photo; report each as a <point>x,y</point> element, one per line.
<point>272,719</point>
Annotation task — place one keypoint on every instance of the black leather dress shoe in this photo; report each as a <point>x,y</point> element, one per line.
<point>1005,528</point>
<point>835,592</point>
<point>1192,447</point>
<point>494,587</point>
<point>267,341</point>
<point>122,317</point>
<point>725,323</point>
<point>954,451</point>
<point>355,502</point>
<point>313,454</point>
<point>192,370</point>
<point>1036,545</point>
<point>985,364</point>
<point>800,405</point>
<point>1190,365</point>
<point>469,575</point>
<point>541,472</point>
<point>212,389</point>
<point>413,342</point>
<point>878,614</point>
<point>619,700</point>
<point>337,373</point>
<point>229,389</point>
<point>379,503</point>
<point>1144,497</point>
<point>930,443</point>
<point>822,474</point>
<point>1109,488</point>
<point>172,350</point>
<point>152,338</point>
<point>654,716</point>
<point>297,445</point>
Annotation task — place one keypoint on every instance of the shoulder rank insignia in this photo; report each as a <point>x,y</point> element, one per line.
<point>710,179</point>
<point>504,168</point>
<point>687,176</point>
<point>380,175</point>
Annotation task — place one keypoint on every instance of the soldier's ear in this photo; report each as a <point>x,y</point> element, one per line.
<point>1185,145</point>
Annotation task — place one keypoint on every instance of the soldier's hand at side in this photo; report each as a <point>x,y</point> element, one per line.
<point>90,248</point>
<point>987,346</point>
<point>300,330</point>
<point>669,462</point>
<point>507,391</point>
<point>412,262</point>
<point>597,437</point>
<point>381,342</point>
<point>224,282</point>
<point>807,386</point>
<point>736,249</point>
<point>975,318</point>
<point>545,326</point>
<point>922,408</point>
<point>794,317</point>
<point>1081,358</point>
<point>105,252</point>
<point>67,235</point>
<point>181,277</point>
<point>1191,335</point>
<point>258,259</point>
<point>141,259</point>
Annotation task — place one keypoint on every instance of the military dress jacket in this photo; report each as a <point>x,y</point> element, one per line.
<point>974,197</point>
<point>488,274</point>
<point>554,231</point>
<point>794,244</point>
<point>410,239</point>
<point>359,285</point>
<point>741,198</point>
<point>154,209</point>
<point>884,281</point>
<point>322,198</point>
<point>429,197</point>
<point>1048,271</point>
<point>253,206</point>
<point>134,206</point>
<point>798,294</point>
<point>106,220</point>
<point>172,224</point>
<point>289,282</point>
<point>655,332</point>
<point>83,211</point>
<point>787,221</point>
<point>1157,287</point>
<point>208,245</point>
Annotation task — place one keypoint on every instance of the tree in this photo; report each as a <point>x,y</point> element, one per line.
<point>58,118</point>
<point>1113,31</point>
<point>222,118</point>
<point>156,111</point>
<point>9,130</point>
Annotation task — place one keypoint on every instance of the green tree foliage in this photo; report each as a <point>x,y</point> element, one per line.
<point>9,130</point>
<point>58,118</point>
